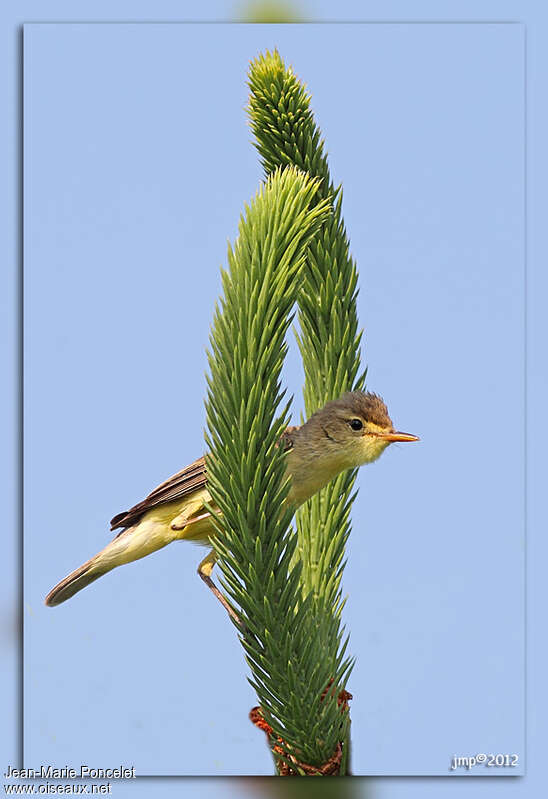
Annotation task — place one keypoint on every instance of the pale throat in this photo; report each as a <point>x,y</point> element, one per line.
<point>311,471</point>
<point>309,474</point>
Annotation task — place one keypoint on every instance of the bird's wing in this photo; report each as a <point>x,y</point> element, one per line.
<point>185,482</point>
<point>287,438</point>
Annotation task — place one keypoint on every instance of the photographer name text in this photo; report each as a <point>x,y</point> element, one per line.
<point>66,773</point>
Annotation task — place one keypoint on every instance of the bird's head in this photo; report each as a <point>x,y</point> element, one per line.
<point>354,429</point>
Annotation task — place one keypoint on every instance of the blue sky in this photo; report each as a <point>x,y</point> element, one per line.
<point>432,161</point>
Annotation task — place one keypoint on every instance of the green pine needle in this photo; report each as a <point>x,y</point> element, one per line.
<point>246,469</point>
<point>329,339</point>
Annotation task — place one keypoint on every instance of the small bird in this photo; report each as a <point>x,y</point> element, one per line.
<point>346,433</point>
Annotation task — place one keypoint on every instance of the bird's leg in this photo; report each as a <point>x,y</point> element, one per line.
<point>204,570</point>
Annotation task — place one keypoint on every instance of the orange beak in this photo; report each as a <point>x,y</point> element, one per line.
<point>398,437</point>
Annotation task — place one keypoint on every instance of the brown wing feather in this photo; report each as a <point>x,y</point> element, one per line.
<point>186,481</point>
<point>287,438</point>
<point>176,487</point>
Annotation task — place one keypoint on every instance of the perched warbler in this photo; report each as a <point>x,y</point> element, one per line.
<point>344,434</point>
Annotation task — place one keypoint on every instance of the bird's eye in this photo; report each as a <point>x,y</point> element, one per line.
<point>356,424</point>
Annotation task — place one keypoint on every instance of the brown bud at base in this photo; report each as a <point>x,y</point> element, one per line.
<point>278,746</point>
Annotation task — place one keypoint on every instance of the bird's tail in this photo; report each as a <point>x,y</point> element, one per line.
<point>88,572</point>
<point>132,544</point>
